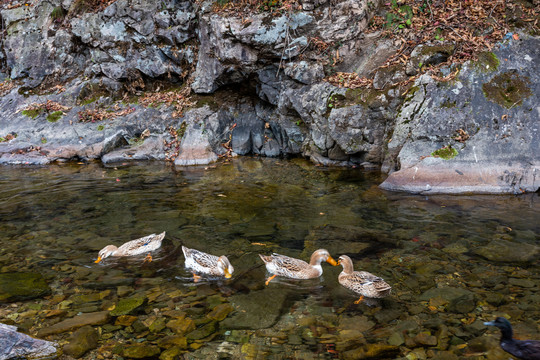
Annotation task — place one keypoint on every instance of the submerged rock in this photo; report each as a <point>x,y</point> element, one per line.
<point>259,309</point>
<point>140,351</point>
<point>22,286</point>
<point>128,306</point>
<point>509,251</point>
<point>15,345</point>
<point>95,318</point>
<point>81,341</point>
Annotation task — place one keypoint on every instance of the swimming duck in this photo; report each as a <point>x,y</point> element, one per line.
<point>521,349</point>
<point>281,265</point>
<point>207,264</point>
<point>134,247</point>
<point>361,282</point>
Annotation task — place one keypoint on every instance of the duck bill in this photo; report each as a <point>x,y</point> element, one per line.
<point>331,261</point>
<point>339,262</point>
<point>227,273</point>
<point>98,259</point>
<point>489,323</point>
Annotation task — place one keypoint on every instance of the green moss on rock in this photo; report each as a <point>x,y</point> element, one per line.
<point>32,113</point>
<point>487,61</point>
<point>128,306</point>
<point>445,153</point>
<point>22,286</point>
<point>54,116</point>
<point>508,89</point>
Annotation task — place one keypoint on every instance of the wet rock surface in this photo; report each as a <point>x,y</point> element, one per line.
<point>16,345</point>
<point>474,149</point>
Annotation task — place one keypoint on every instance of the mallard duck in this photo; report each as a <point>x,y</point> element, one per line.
<point>522,349</point>
<point>134,247</point>
<point>361,282</point>
<point>205,263</point>
<point>281,265</point>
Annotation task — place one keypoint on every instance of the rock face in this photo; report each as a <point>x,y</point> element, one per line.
<point>16,345</point>
<point>478,133</point>
<point>260,89</point>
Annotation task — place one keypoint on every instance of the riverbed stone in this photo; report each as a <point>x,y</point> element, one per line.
<point>22,286</point>
<point>249,314</point>
<point>202,332</point>
<point>171,353</point>
<point>81,341</point>
<point>220,312</point>
<point>181,326</point>
<point>96,318</point>
<point>173,341</point>
<point>140,351</point>
<point>509,251</point>
<point>372,351</point>
<point>128,306</point>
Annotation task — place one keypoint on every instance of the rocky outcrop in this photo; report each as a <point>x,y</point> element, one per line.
<point>478,133</point>
<point>16,345</point>
<point>259,89</point>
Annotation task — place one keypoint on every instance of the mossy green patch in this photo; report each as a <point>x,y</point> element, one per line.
<point>100,127</point>
<point>487,61</point>
<point>22,286</point>
<point>54,116</point>
<point>445,153</point>
<point>508,89</point>
<point>32,113</point>
<point>181,130</point>
<point>127,306</point>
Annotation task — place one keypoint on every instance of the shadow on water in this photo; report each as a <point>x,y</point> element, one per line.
<point>453,261</point>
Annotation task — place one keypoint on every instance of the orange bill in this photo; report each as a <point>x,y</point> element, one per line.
<point>331,261</point>
<point>98,259</point>
<point>227,273</point>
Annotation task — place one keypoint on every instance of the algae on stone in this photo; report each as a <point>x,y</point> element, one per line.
<point>22,286</point>
<point>508,89</point>
<point>445,153</point>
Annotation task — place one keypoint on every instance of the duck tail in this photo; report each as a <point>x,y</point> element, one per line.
<point>265,258</point>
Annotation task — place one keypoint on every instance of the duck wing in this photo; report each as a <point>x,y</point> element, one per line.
<point>524,349</point>
<point>136,246</point>
<point>203,259</point>
<point>289,263</point>
<point>365,278</point>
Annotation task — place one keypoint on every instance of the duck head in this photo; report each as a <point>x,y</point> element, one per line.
<point>106,252</point>
<point>503,324</point>
<point>225,266</point>
<point>321,255</point>
<point>347,264</point>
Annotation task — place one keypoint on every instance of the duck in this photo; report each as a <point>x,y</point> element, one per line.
<point>361,282</point>
<point>143,245</point>
<point>202,262</point>
<point>521,349</point>
<point>281,265</point>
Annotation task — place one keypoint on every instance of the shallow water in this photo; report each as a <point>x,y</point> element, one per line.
<point>453,262</point>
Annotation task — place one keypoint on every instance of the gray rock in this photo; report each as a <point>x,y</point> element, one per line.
<point>16,345</point>
<point>494,146</point>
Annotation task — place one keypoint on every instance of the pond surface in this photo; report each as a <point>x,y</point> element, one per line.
<point>453,262</point>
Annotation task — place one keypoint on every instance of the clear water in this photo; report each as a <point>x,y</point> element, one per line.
<point>55,219</point>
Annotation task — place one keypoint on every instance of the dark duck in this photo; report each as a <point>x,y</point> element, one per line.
<point>521,349</point>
